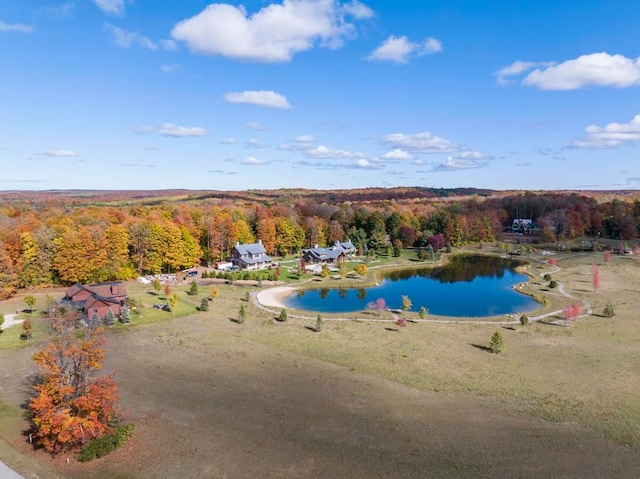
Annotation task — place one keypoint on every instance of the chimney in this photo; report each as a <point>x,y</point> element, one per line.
<point>259,241</point>
<point>315,246</point>
<point>237,244</point>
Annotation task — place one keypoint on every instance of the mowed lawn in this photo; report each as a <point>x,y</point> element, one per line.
<point>214,398</point>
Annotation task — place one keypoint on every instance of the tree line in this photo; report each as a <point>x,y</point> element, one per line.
<point>58,240</point>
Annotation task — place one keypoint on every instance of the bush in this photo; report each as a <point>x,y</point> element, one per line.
<point>553,284</point>
<point>106,444</point>
<point>524,319</point>
<point>547,277</point>
<point>608,311</point>
<point>496,345</point>
<point>204,304</point>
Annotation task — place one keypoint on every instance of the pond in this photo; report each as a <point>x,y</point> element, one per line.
<point>467,286</point>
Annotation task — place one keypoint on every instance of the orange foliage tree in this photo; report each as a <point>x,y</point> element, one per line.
<point>72,405</point>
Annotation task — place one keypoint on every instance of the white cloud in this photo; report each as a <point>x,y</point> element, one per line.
<point>295,147</point>
<point>304,139</point>
<point>255,143</point>
<point>359,10</point>
<point>610,136</point>
<point>228,141</point>
<point>15,27</point>
<point>400,49</point>
<point>275,33</point>
<point>169,129</point>
<point>423,142</point>
<point>457,164</point>
<point>367,165</point>
<point>398,154</point>
<point>169,45</point>
<point>322,152</point>
<point>517,68</point>
<point>596,69</point>
<point>254,125</point>
<point>264,98</point>
<point>59,11</point>
<point>144,130</point>
<point>171,68</point>
<point>59,154</point>
<point>251,161</point>
<point>126,39</point>
<point>110,7</point>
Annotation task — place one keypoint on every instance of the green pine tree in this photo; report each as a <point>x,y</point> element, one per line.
<point>110,318</point>
<point>497,343</point>
<point>283,315</point>
<point>319,324</point>
<point>125,315</point>
<point>204,304</point>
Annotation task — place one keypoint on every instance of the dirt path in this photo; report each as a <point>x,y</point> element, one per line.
<point>9,320</point>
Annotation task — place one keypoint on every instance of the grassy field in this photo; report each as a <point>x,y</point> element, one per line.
<point>215,398</point>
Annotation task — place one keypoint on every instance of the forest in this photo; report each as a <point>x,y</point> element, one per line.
<point>63,237</point>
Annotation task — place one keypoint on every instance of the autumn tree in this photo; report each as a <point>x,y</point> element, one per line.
<point>173,300</point>
<point>423,312</point>
<point>570,313</point>
<point>361,269</point>
<point>607,257</point>
<point>72,404</point>
<point>596,278</point>
<point>214,293</point>
<point>118,265</point>
<point>381,305</point>
<point>27,329</point>
<point>1,322</point>
<point>30,301</point>
<point>81,256</point>
<point>406,303</point>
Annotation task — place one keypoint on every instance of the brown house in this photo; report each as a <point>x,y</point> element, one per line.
<point>97,298</point>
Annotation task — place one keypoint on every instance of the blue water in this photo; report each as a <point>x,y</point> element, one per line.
<point>471,286</point>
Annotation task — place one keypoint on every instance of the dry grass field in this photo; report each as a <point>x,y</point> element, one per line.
<point>214,398</point>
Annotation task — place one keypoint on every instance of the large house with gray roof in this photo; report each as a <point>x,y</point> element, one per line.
<point>250,256</point>
<point>330,255</point>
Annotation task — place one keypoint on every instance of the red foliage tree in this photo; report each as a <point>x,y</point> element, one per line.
<point>401,322</point>
<point>596,278</point>
<point>71,405</point>
<point>552,261</point>
<point>570,313</point>
<point>607,257</point>
<point>381,305</point>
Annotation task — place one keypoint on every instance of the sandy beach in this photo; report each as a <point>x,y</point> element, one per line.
<point>273,297</point>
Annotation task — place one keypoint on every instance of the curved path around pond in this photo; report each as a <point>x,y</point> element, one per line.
<point>10,320</point>
<point>270,298</point>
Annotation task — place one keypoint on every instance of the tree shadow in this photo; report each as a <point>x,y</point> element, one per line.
<point>153,293</point>
<point>236,320</point>
<point>391,329</point>
<point>311,328</point>
<point>549,323</point>
<point>481,347</point>
<point>509,328</point>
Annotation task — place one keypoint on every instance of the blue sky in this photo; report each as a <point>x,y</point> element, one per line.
<point>150,94</point>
